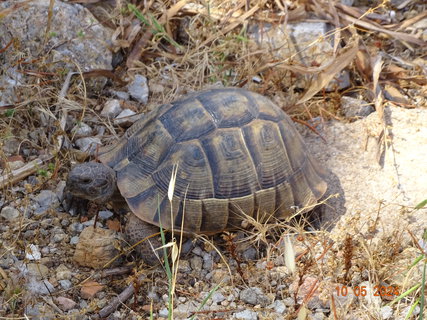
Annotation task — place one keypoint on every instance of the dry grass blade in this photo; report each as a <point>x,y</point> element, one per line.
<point>21,173</point>
<point>232,25</point>
<point>370,26</point>
<point>289,255</point>
<point>327,74</point>
<point>137,50</point>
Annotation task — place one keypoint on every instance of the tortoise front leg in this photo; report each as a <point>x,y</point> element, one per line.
<point>135,231</point>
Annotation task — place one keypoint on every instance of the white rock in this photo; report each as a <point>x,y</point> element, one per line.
<point>126,113</point>
<point>138,89</point>
<point>279,306</point>
<point>88,144</point>
<point>32,252</point>
<point>246,315</point>
<point>82,129</point>
<point>163,313</point>
<point>386,312</point>
<point>111,108</point>
<point>9,213</point>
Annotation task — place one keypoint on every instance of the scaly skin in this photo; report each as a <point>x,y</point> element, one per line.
<point>96,182</point>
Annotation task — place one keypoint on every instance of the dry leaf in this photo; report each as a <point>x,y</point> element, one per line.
<point>114,225</point>
<point>343,59</point>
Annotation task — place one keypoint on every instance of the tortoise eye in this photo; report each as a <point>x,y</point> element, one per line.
<point>86,180</point>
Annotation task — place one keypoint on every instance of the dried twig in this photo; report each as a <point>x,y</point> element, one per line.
<point>121,298</point>
<point>23,172</point>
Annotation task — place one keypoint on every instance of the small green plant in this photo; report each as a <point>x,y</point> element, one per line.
<point>156,27</point>
<point>419,288</point>
<point>80,34</point>
<point>42,172</point>
<point>10,112</point>
<point>52,34</point>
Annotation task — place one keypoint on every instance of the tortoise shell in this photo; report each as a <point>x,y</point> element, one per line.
<point>237,154</point>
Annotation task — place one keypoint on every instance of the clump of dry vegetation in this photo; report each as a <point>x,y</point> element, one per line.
<point>184,46</point>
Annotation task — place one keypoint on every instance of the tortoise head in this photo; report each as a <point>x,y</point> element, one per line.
<point>92,181</point>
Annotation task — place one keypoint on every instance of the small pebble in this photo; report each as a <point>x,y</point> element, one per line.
<point>217,297</point>
<point>82,129</point>
<point>88,144</point>
<point>47,199</point>
<point>32,252</point>
<point>111,108</point>
<point>196,263</point>
<point>9,213</point>
<point>74,240</point>
<point>138,89</point>
<point>65,303</point>
<point>105,214</point>
<point>89,289</point>
<point>254,296</point>
<point>65,284</point>
<point>246,315</point>
<point>63,273</point>
<point>163,313</point>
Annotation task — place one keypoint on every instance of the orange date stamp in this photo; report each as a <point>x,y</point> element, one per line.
<point>362,291</point>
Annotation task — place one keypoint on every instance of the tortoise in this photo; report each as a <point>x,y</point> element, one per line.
<point>236,153</point>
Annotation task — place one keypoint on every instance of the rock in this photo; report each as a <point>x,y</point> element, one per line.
<point>43,287</point>
<point>127,117</point>
<point>246,315</point>
<point>355,108</point>
<point>47,199</point>
<point>65,303</point>
<point>207,261</point>
<point>76,227</point>
<point>184,309</point>
<point>89,289</point>
<point>386,312</point>
<point>126,113</point>
<point>16,164</point>
<point>138,89</point>
<point>220,275</point>
<point>254,296</point>
<point>120,94</point>
<point>32,252</point>
<point>39,311</point>
<point>370,299</point>
<point>278,306</point>
<point>184,266</point>
<point>299,41</point>
<point>74,240</point>
<point>37,270</point>
<point>75,36</point>
<point>96,247</point>
<point>59,191</point>
<point>81,129</point>
<point>63,273</point>
<point>163,313</point>
<point>88,144</point>
<point>249,254</point>
<point>65,284</point>
<point>305,289</point>
<point>196,263</point>
<point>111,109</point>
<point>59,237</point>
<point>9,213</point>
<point>217,297</point>
<point>105,214</point>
